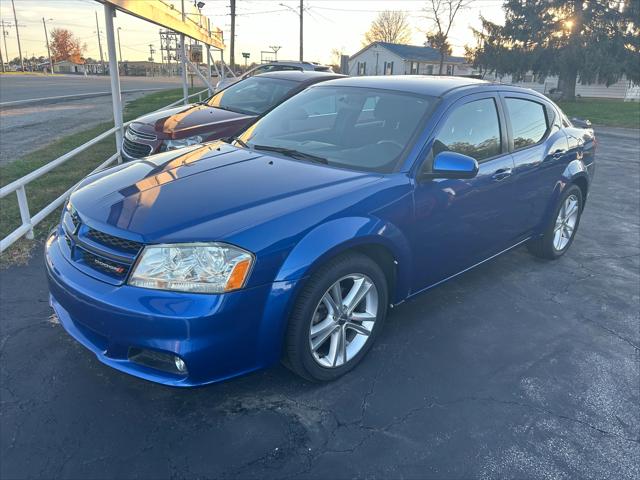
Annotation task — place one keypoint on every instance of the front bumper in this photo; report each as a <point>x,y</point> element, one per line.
<point>217,336</point>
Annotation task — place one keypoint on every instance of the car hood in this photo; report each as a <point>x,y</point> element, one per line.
<point>205,194</point>
<point>185,121</point>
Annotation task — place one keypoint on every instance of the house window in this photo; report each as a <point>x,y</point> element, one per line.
<point>388,68</point>
<point>429,70</point>
<point>414,68</point>
<point>362,68</point>
<point>449,69</point>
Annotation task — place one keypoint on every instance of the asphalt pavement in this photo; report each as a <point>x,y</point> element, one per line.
<point>29,126</point>
<point>521,368</point>
<point>17,87</point>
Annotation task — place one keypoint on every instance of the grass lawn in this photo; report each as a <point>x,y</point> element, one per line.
<point>610,113</point>
<point>47,188</point>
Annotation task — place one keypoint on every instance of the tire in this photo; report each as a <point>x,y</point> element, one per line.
<point>352,273</point>
<point>547,246</point>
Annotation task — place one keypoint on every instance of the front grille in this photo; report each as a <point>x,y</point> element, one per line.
<point>104,265</point>
<point>142,135</point>
<point>116,243</point>
<point>67,239</point>
<point>75,218</point>
<point>136,150</point>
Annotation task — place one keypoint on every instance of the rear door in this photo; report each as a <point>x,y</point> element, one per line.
<point>459,223</point>
<point>539,148</point>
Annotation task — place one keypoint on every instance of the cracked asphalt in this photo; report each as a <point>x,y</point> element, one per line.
<point>522,368</point>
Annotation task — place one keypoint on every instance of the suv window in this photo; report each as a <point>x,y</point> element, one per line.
<point>472,129</point>
<point>528,121</point>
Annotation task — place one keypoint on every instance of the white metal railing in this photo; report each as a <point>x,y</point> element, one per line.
<point>18,186</point>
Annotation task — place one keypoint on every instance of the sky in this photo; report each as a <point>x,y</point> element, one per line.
<point>329,25</point>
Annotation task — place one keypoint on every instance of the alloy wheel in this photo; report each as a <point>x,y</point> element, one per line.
<point>566,223</point>
<point>343,320</point>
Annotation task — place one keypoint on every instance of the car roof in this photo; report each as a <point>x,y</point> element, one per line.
<point>431,85</point>
<point>301,76</point>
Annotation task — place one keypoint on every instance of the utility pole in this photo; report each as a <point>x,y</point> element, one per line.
<point>300,13</point>
<point>161,52</point>
<point>119,48</point>
<point>104,70</point>
<point>15,19</point>
<point>46,36</point>
<point>5,34</point>
<point>1,60</point>
<point>301,30</point>
<point>232,42</point>
<point>275,49</point>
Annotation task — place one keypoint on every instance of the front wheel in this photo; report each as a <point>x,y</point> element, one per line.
<point>336,318</point>
<point>562,228</point>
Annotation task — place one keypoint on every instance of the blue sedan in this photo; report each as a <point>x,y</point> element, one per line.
<point>291,242</point>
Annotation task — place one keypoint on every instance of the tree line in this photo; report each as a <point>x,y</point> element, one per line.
<point>577,40</point>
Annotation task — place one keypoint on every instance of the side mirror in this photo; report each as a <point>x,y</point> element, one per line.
<point>581,122</point>
<point>453,165</point>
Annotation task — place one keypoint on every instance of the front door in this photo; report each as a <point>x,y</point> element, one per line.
<point>459,223</point>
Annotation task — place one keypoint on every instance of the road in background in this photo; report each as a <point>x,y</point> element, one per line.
<point>25,87</point>
<point>30,126</point>
<point>521,368</point>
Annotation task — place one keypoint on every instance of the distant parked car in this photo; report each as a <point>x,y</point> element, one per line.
<point>284,65</point>
<point>222,115</point>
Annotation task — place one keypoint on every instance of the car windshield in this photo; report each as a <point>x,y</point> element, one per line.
<point>252,96</point>
<point>351,127</point>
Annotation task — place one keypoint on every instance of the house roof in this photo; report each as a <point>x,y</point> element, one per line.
<point>414,53</point>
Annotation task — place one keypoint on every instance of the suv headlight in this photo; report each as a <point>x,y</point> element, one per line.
<point>193,267</point>
<point>181,142</point>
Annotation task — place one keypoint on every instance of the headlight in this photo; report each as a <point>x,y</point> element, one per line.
<point>193,267</point>
<point>181,142</point>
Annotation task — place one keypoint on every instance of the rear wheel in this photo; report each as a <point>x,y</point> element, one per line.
<point>561,231</point>
<point>336,318</point>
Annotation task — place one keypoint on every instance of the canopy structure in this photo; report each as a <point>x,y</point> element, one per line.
<point>166,15</point>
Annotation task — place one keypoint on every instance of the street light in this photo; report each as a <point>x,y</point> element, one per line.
<point>300,14</point>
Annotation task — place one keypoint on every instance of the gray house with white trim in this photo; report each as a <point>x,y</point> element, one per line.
<point>381,58</point>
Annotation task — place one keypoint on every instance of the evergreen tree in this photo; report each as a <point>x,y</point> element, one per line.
<point>590,40</point>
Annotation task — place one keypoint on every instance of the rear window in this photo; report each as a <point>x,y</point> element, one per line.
<point>528,121</point>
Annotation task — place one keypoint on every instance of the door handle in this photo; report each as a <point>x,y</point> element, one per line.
<point>557,154</point>
<point>502,174</point>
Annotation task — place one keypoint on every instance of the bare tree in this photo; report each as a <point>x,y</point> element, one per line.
<point>390,26</point>
<point>442,14</point>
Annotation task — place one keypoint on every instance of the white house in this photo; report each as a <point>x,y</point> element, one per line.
<point>381,58</point>
<point>622,89</point>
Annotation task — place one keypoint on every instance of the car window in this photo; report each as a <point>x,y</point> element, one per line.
<point>472,129</point>
<point>252,96</point>
<point>352,127</point>
<point>322,106</point>
<point>528,121</point>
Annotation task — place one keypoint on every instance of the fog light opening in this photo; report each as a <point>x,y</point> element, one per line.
<point>158,360</point>
<point>180,366</point>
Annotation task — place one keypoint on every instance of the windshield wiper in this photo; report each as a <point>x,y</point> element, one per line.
<point>240,142</point>
<point>291,153</point>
